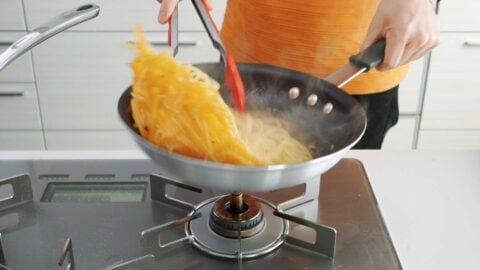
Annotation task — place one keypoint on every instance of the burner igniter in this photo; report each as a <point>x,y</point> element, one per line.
<point>237,215</point>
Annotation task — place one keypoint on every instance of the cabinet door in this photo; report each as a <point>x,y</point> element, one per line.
<point>402,135</point>
<point>80,76</point>
<point>20,70</point>
<point>449,139</point>
<point>89,140</point>
<point>122,15</point>
<point>410,88</point>
<point>453,92</point>
<point>459,15</point>
<point>19,106</point>
<point>11,16</point>
<point>21,140</point>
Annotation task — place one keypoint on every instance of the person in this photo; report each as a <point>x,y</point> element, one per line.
<point>317,37</point>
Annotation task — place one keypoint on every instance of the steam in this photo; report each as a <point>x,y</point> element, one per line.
<point>267,90</point>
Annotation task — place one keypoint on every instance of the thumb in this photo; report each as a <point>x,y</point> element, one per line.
<point>166,10</point>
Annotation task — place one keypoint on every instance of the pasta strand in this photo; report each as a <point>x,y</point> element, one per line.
<point>178,108</point>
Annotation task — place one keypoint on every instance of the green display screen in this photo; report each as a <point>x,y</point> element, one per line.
<point>95,192</point>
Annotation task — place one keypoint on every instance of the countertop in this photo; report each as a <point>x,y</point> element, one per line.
<point>428,199</point>
<point>430,202</point>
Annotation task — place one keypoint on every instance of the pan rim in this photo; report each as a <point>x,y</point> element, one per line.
<point>241,168</point>
<point>232,167</point>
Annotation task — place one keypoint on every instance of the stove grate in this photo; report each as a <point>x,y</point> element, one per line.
<point>324,241</point>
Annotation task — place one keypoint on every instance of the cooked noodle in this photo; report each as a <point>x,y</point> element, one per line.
<point>268,137</point>
<point>178,108</point>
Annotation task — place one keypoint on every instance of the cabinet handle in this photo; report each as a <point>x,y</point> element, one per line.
<point>186,43</point>
<point>189,43</point>
<point>472,43</point>
<point>11,93</point>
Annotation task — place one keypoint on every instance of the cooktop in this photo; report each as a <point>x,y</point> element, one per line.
<point>123,214</point>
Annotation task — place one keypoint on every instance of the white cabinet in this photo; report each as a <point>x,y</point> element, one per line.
<point>453,90</point>
<point>19,106</point>
<point>21,69</point>
<point>20,122</point>
<point>411,88</point>
<point>451,109</point>
<point>449,139</point>
<point>11,15</point>
<point>402,135</point>
<point>21,140</point>
<point>459,15</point>
<point>80,76</point>
<point>89,140</point>
<point>122,15</point>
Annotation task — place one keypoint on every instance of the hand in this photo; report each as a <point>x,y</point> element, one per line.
<point>410,27</point>
<point>167,7</point>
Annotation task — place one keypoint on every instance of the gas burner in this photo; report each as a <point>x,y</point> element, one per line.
<point>237,215</point>
<point>250,241</point>
<point>237,225</point>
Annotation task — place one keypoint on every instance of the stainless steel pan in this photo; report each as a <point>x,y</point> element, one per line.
<point>323,116</point>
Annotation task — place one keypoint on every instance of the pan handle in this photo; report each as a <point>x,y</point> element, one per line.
<point>370,57</point>
<point>358,64</point>
<point>56,25</point>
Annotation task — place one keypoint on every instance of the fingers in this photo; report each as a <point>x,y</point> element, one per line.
<point>429,40</point>
<point>166,9</point>
<point>411,30</point>
<point>430,46</point>
<point>209,5</point>
<point>394,49</point>
<point>418,45</point>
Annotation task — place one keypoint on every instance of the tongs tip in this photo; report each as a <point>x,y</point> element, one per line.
<point>235,83</point>
<point>232,77</point>
<point>173,32</point>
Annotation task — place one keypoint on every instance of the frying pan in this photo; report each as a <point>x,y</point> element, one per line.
<point>332,125</point>
<point>322,116</point>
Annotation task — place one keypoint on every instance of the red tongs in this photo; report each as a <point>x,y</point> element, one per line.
<point>232,77</point>
<point>173,32</point>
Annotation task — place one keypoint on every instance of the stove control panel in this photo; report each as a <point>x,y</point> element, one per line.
<point>64,192</point>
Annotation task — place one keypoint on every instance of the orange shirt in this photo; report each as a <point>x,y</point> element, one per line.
<point>315,37</point>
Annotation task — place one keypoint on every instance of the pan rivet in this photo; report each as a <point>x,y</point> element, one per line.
<point>294,92</point>
<point>327,108</point>
<point>312,100</point>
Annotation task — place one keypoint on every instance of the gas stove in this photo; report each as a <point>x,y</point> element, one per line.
<point>124,214</point>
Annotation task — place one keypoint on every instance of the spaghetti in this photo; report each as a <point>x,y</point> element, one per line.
<point>178,108</point>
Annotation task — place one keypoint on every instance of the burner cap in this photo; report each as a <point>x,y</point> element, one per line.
<point>229,222</point>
